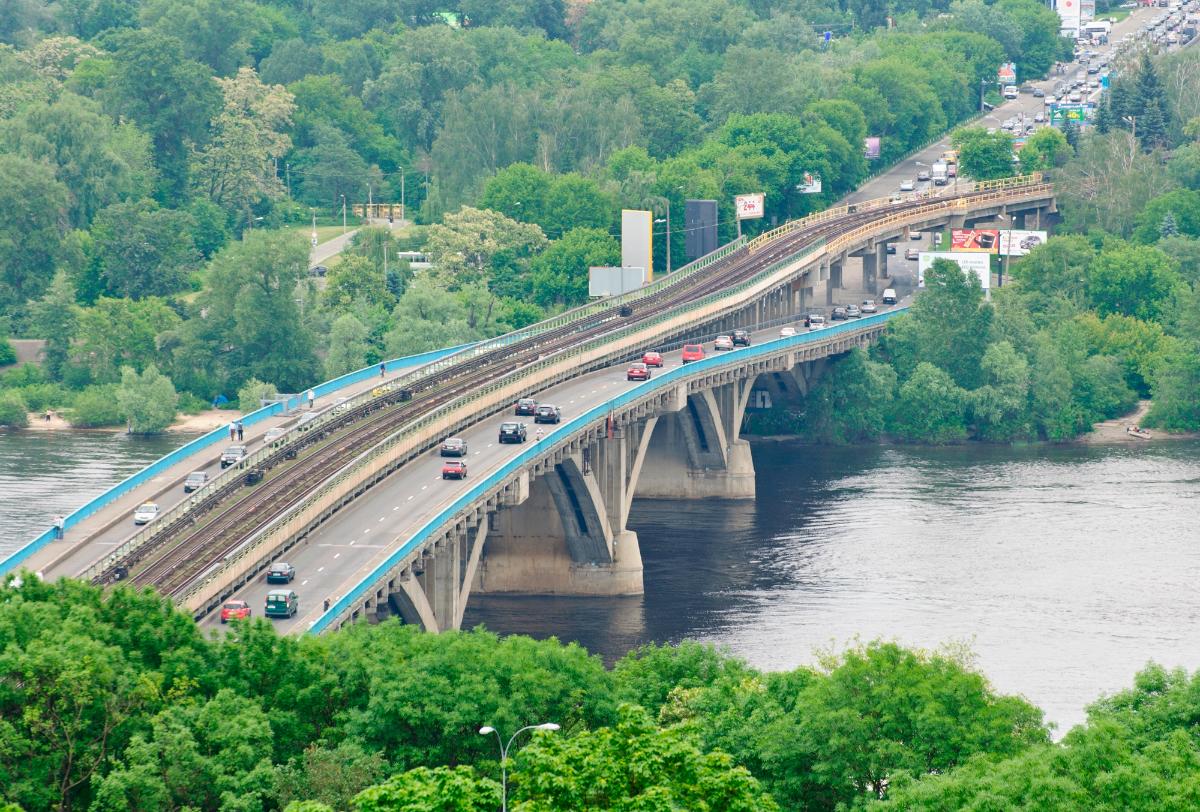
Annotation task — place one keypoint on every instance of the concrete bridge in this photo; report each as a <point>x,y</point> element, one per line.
<point>380,532</point>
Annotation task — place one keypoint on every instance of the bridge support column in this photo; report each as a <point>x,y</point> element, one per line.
<point>834,280</point>
<point>871,260</point>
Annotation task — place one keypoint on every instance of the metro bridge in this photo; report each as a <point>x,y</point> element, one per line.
<point>355,498</point>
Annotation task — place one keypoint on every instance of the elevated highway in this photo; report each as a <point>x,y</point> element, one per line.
<point>551,515</point>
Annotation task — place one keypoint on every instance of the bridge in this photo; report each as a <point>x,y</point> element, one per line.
<point>355,498</point>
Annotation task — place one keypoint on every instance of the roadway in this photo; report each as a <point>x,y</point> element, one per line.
<point>329,560</point>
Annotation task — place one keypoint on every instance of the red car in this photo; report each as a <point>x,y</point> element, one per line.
<point>638,372</point>
<point>652,359</point>
<point>235,610</point>
<point>693,352</point>
<point>454,469</point>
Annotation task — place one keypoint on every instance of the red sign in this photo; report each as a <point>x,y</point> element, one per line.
<point>978,240</point>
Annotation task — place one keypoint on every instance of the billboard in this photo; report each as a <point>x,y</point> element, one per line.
<point>1070,14</point>
<point>637,244</point>
<point>978,264</point>
<point>606,281</point>
<point>749,207</point>
<point>700,224</point>
<point>1019,243</point>
<point>1007,74</point>
<point>871,147</point>
<point>977,240</point>
<point>811,185</point>
<point>1062,113</point>
<point>1087,10</point>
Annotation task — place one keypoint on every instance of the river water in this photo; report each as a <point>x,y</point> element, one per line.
<point>1065,569</point>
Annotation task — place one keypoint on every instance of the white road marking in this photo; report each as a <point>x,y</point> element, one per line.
<point>489,445</point>
<point>397,507</point>
<point>321,569</point>
<point>335,555</point>
<point>304,582</point>
<point>423,487</point>
<point>381,518</point>
<point>410,498</point>
<point>477,453</point>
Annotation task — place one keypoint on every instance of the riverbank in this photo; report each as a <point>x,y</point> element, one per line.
<point>199,423</point>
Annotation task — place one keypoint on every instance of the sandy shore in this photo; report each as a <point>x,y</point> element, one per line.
<point>1113,431</point>
<point>200,423</point>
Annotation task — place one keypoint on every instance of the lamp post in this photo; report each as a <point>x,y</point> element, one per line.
<point>343,215</point>
<point>504,748</point>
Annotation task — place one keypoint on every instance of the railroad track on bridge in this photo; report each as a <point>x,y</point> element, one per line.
<point>186,550</point>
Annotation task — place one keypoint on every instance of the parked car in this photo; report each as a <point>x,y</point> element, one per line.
<point>512,432</point>
<point>853,312</point>
<point>281,572</point>
<point>652,359</point>
<point>637,372</point>
<point>889,296</point>
<point>453,447</point>
<point>869,306</point>
<point>526,407</point>
<point>787,332</point>
<point>195,480</point>
<point>693,352</point>
<point>318,270</point>
<point>741,338</point>
<point>146,513</point>
<point>723,343</point>
<point>816,322</point>
<point>912,254</point>
<point>282,603</point>
<point>233,455</point>
<point>838,314</point>
<point>234,610</point>
<point>547,414</point>
<point>454,469</point>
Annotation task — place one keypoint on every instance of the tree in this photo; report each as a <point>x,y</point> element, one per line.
<point>330,169</point>
<point>117,333</point>
<point>1047,148</point>
<point>253,392</point>
<point>329,774</point>
<point>30,236</point>
<point>983,155</point>
<point>471,244</point>
<point>1000,407</point>
<point>1182,206</point>
<point>852,402</point>
<point>559,275</point>
<point>142,250</point>
<point>14,411</point>
<point>355,282</point>
<point>347,346</point>
<point>930,408</point>
<point>1052,408</point>
<point>1169,227</point>
<point>147,400</point>
<point>1133,280</point>
<point>441,789</point>
<point>235,168</point>
<point>1177,394</point>
<point>1150,110</point>
<point>54,318</point>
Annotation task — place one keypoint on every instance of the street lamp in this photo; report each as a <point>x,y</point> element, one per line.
<point>343,214</point>
<point>504,748</point>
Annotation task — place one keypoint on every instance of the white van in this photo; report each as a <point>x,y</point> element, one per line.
<point>1010,92</point>
<point>889,296</point>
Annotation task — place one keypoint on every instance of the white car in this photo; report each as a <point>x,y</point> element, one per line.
<point>906,186</point>
<point>787,332</point>
<point>145,514</point>
<point>816,323</point>
<point>869,306</point>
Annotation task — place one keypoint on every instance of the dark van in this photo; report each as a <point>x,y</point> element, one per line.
<point>281,603</point>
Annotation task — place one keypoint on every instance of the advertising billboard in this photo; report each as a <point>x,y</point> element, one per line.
<point>1071,15</point>
<point>700,220</point>
<point>637,244</point>
<point>1061,113</point>
<point>1019,243</point>
<point>978,264</point>
<point>977,240</point>
<point>749,207</point>
<point>605,281</point>
<point>1007,74</point>
<point>871,147</point>
<point>811,185</point>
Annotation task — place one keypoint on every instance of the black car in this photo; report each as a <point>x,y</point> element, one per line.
<point>512,432</point>
<point>233,455</point>
<point>195,480</point>
<point>454,447</point>
<point>547,414</point>
<point>281,573</point>
<point>741,338</point>
<point>1038,93</point>
<point>318,270</point>
<point>526,407</point>
<point>891,248</point>
<point>838,314</point>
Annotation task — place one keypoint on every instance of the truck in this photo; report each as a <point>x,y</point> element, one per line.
<point>939,173</point>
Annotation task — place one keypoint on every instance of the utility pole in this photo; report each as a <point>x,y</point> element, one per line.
<point>343,215</point>
<point>370,208</point>
<point>287,170</point>
<point>403,211</point>
<point>669,234</point>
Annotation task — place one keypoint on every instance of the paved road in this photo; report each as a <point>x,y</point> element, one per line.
<point>330,248</point>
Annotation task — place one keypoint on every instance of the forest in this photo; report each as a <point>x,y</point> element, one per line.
<point>162,163</point>
<point>114,701</point>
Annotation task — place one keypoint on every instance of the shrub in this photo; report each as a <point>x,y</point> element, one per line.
<point>41,396</point>
<point>14,412</point>
<point>95,407</point>
<point>147,399</point>
<point>190,404</point>
<point>7,354</point>
<point>252,392</point>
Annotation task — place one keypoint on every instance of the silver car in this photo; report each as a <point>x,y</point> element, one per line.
<point>869,306</point>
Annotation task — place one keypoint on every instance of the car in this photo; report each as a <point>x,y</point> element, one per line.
<point>1038,93</point>
<point>513,432</point>
<point>1030,242</point>
<point>869,306</point>
<point>1051,100</point>
<point>453,447</point>
<point>951,172</point>
<point>652,359</point>
<point>891,248</point>
<point>1039,117</point>
<point>693,352</point>
<point>723,343</point>
<point>195,480</point>
<point>1076,96</point>
<point>923,176</point>
<point>235,610</point>
<point>454,469</point>
<point>526,407</point>
<point>146,513</point>
<point>273,434</point>
<point>838,314</point>
<point>281,603</point>
<point>281,572</point>
<point>233,455</point>
<point>915,235</point>
<point>637,372</point>
<point>907,186</point>
<point>912,254</point>
<point>741,338</point>
<point>787,332</point>
<point>318,270</point>
<point>889,296</point>
<point>853,312</point>
<point>547,414</point>
<point>816,322</point>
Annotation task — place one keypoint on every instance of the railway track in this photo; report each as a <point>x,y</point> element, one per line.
<point>221,523</point>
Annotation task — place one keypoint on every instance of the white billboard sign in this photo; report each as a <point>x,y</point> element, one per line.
<point>1020,243</point>
<point>978,264</point>
<point>749,207</point>
<point>1070,13</point>
<point>637,241</point>
<point>811,185</point>
<point>606,281</point>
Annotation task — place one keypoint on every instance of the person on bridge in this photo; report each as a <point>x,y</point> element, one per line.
<point>383,370</point>
<point>538,435</point>
<point>58,526</point>
<point>239,430</point>
<point>233,431</point>
<point>311,397</point>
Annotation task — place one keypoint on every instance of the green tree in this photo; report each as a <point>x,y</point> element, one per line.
<point>253,392</point>
<point>1000,407</point>
<point>328,774</point>
<point>1183,208</point>
<point>1132,280</point>
<point>440,789</point>
<point>852,402</point>
<point>1054,412</point>
<point>559,275</point>
<point>471,244</point>
<point>147,400</point>
<point>348,346</point>
<point>8,355</point>
<point>930,408</point>
<point>649,674</point>
<point>142,250</point>
<point>330,169</point>
<point>1047,148</point>
<point>120,332</point>
<point>1177,394</point>
<point>96,407</point>
<point>983,155</point>
<point>14,411</point>
<point>54,318</point>
<point>1150,109</point>
<point>30,236</point>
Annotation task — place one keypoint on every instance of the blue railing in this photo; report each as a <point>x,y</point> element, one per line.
<point>526,457</point>
<point>215,436</point>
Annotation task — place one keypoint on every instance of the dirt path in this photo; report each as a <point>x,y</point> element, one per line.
<point>1113,431</point>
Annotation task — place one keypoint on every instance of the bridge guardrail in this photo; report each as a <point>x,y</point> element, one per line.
<point>405,433</point>
<point>434,526</point>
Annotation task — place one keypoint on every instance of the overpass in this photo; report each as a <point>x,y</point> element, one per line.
<point>550,515</point>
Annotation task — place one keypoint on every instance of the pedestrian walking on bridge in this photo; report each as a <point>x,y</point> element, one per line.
<point>233,431</point>
<point>383,370</point>
<point>311,397</point>
<point>239,430</point>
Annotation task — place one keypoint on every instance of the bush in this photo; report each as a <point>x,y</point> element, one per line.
<point>147,400</point>
<point>23,375</point>
<point>14,412</point>
<point>7,354</point>
<point>190,404</point>
<point>40,396</point>
<point>96,407</point>
<point>252,392</point>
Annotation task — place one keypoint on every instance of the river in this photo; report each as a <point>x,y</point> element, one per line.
<point>1064,568</point>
